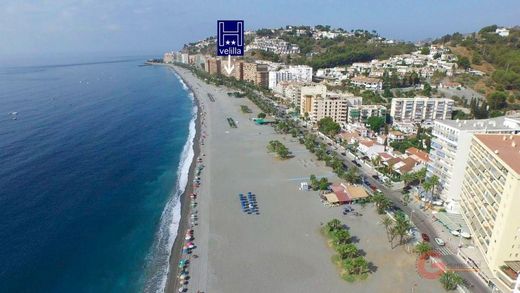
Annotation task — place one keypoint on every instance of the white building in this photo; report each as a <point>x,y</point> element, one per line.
<point>361,113</point>
<point>421,109</point>
<point>301,73</point>
<point>368,83</point>
<point>502,31</point>
<point>450,148</point>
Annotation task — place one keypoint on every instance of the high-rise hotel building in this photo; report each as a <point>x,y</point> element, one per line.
<point>490,204</point>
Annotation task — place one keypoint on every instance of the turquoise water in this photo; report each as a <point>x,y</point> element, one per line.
<point>88,177</point>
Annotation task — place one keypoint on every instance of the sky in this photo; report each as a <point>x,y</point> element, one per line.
<point>47,27</point>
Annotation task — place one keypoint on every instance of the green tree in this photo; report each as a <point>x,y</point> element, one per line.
<point>408,178</point>
<point>381,201</point>
<point>375,123</point>
<point>328,127</point>
<point>425,50</point>
<point>324,183</point>
<point>333,224</point>
<point>423,249</point>
<point>401,227</point>
<point>352,176</point>
<point>420,175</point>
<point>497,100</point>
<point>427,91</point>
<point>450,280</point>
<point>340,236</point>
<point>360,265</point>
<point>464,62</point>
<point>261,115</point>
<point>347,250</point>
<point>387,222</point>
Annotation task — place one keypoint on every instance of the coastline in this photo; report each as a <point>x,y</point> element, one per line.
<point>184,200</point>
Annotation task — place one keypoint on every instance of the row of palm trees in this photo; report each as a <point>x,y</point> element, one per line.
<point>279,148</point>
<point>354,265</point>
<point>250,90</point>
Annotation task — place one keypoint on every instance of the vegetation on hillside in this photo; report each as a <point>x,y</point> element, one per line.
<point>497,56</point>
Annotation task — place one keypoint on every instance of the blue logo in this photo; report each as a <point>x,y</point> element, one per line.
<point>230,35</point>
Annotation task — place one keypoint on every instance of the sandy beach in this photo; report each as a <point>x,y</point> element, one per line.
<point>281,249</point>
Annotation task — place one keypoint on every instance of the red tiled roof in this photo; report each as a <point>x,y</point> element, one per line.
<point>422,155</point>
<point>340,192</point>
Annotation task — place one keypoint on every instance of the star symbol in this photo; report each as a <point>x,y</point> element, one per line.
<point>227,42</point>
<point>232,42</point>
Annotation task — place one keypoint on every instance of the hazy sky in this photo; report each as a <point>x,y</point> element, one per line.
<point>153,26</point>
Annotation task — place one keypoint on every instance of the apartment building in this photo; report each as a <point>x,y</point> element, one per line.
<point>318,104</point>
<point>169,57</point>
<point>450,148</point>
<point>301,73</point>
<point>490,201</point>
<point>420,109</point>
<point>213,66</point>
<point>361,113</point>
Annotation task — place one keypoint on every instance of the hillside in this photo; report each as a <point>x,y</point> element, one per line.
<point>495,55</point>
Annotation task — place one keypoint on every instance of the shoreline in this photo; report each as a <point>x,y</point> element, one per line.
<point>184,200</point>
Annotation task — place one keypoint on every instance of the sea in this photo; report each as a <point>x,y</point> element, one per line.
<point>94,155</point>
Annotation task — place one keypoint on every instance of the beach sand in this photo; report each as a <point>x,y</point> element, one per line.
<point>280,250</point>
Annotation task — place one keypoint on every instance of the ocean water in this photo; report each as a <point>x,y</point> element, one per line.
<point>90,174</point>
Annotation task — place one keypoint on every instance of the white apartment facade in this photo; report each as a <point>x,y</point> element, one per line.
<point>421,109</point>
<point>450,148</point>
<point>300,73</point>
<point>490,201</point>
<point>361,113</point>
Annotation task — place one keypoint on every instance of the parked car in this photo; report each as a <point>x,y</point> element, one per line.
<point>407,188</point>
<point>343,153</point>
<point>439,241</point>
<point>375,177</point>
<point>425,237</point>
<point>438,202</point>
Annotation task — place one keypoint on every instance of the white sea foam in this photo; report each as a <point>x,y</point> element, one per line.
<point>171,216</point>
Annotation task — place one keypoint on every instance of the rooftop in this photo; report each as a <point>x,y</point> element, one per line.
<point>506,147</point>
<point>421,155</point>
<point>489,124</point>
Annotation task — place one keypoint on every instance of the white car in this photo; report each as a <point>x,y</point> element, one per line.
<point>439,241</point>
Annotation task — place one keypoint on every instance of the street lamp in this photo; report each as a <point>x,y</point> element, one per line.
<point>460,240</point>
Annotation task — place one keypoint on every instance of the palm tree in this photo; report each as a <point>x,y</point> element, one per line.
<point>348,265</point>
<point>402,225</point>
<point>427,185</point>
<point>352,176</point>
<point>387,222</point>
<point>420,175</point>
<point>376,161</point>
<point>347,250</point>
<point>333,224</point>
<point>382,203</point>
<point>434,181</point>
<point>407,178</point>
<point>360,265</point>
<point>423,249</point>
<point>450,280</point>
<point>340,236</point>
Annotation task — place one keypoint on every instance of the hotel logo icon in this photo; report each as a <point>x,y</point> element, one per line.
<point>230,35</point>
